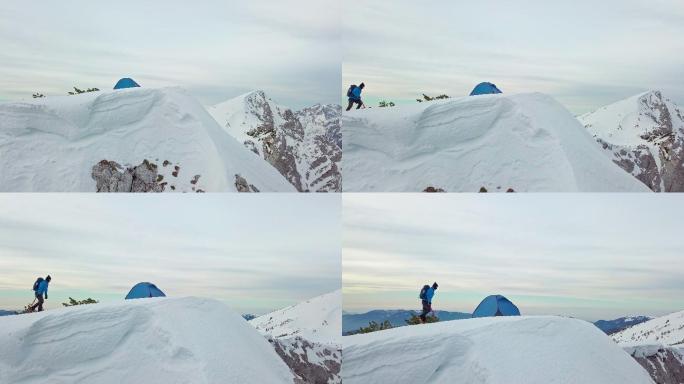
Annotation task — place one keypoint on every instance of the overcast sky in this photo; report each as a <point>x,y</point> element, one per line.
<point>585,255</point>
<point>257,253</point>
<point>217,49</point>
<point>585,53</point>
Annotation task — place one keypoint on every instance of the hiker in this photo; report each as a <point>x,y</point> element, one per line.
<point>426,295</point>
<point>40,287</point>
<point>354,95</point>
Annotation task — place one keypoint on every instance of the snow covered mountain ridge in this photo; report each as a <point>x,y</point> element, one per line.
<point>307,336</point>
<point>305,146</point>
<point>129,140</point>
<point>658,345</point>
<point>644,135</point>
<point>497,143</point>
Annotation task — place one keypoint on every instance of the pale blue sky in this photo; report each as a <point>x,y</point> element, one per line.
<point>216,49</point>
<point>585,53</point>
<point>586,255</point>
<point>255,252</point>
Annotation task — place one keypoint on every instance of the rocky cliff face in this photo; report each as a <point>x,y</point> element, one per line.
<point>664,364</point>
<point>310,362</point>
<point>307,336</point>
<point>304,146</point>
<point>644,135</point>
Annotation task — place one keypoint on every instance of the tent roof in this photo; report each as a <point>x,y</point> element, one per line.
<point>496,305</point>
<point>144,289</point>
<point>485,88</point>
<point>126,82</point>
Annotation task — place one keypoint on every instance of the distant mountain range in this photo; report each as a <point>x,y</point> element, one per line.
<point>617,325</point>
<point>397,317</point>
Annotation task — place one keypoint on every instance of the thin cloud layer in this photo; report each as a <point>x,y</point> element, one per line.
<point>583,255</point>
<point>216,49</point>
<point>584,53</point>
<point>256,253</point>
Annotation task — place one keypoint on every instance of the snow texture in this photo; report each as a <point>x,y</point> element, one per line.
<point>490,350</point>
<point>155,340</point>
<point>525,142</point>
<point>138,139</point>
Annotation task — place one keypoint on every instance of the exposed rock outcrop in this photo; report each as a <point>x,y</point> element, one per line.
<point>311,363</point>
<point>243,186</point>
<point>664,364</point>
<point>110,176</point>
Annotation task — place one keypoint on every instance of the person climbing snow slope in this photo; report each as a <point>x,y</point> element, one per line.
<point>354,95</point>
<point>425,296</point>
<point>40,288</point>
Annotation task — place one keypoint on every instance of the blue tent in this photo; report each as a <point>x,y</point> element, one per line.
<point>485,89</point>
<point>496,305</point>
<point>126,82</point>
<point>142,290</point>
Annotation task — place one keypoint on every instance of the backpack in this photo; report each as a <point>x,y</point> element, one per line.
<point>423,292</point>
<point>37,283</point>
<point>350,90</point>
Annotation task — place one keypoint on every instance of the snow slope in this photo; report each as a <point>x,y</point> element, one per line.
<point>526,142</point>
<point>667,330</point>
<point>307,337</point>
<point>490,350</point>
<point>158,340</point>
<point>643,134</point>
<point>658,345</point>
<point>318,319</point>
<point>56,144</point>
<point>304,146</point>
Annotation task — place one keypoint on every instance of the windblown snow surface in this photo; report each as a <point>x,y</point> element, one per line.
<point>490,350</point>
<point>54,143</point>
<point>156,340</point>
<point>525,142</point>
<point>658,345</point>
<point>307,336</point>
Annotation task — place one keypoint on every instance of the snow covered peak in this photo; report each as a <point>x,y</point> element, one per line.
<point>304,146</point>
<point>644,135</point>
<point>646,117</point>
<point>140,139</point>
<point>524,142</point>
<point>318,319</point>
<point>490,350</point>
<point>156,340</point>
<point>665,330</point>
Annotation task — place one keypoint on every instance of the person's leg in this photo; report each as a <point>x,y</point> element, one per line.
<point>351,103</point>
<point>40,303</point>
<point>423,315</point>
<point>359,104</point>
